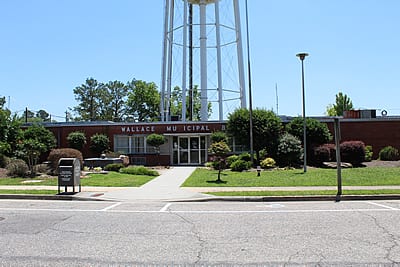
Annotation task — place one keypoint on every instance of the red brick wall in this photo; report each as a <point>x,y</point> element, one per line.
<point>375,132</point>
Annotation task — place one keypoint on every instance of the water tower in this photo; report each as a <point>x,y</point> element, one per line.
<point>202,51</point>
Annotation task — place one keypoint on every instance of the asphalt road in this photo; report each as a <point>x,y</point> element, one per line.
<point>62,233</point>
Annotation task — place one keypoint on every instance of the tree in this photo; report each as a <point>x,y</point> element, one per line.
<point>155,140</point>
<point>99,143</point>
<point>43,115</point>
<point>289,150</point>
<point>115,99</point>
<point>266,129</point>
<point>143,100</point>
<point>220,150</point>
<point>76,140</point>
<point>35,140</point>
<point>10,130</point>
<point>317,133</point>
<point>89,97</point>
<point>176,103</point>
<point>343,103</point>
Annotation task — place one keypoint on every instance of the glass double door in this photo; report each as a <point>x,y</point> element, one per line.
<point>189,150</point>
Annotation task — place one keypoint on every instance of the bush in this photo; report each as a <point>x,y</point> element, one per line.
<point>389,153</point>
<point>352,152</point>
<point>245,156</point>
<point>368,153</point>
<point>231,159</point>
<point>240,165</point>
<point>76,140</point>
<point>289,150</point>
<point>324,153</point>
<point>56,154</point>
<point>268,163</point>
<point>113,167</point>
<point>17,168</point>
<point>139,170</point>
<point>218,137</point>
<point>99,143</point>
<point>263,153</point>
<point>4,160</point>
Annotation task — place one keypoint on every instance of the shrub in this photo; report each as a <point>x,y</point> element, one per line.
<point>218,137</point>
<point>240,165</point>
<point>231,159</point>
<point>4,160</point>
<point>352,152</point>
<point>17,168</point>
<point>99,143</point>
<point>56,154</point>
<point>368,153</point>
<point>324,153</point>
<point>289,150</point>
<point>155,140</point>
<point>76,140</point>
<point>139,170</point>
<point>268,163</point>
<point>263,153</point>
<point>389,153</point>
<point>245,156</point>
<point>113,167</point>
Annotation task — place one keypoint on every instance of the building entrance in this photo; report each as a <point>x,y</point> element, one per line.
<point>189,150</point>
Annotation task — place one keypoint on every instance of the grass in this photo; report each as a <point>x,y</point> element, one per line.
<point>28,192</point>
<point>370,176</point>
<point>107,180</point>
<point>305,193</point>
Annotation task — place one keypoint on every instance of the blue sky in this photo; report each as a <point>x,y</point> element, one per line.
<point>49,47</point>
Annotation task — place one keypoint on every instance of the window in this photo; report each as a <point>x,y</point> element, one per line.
<point>134,144</point>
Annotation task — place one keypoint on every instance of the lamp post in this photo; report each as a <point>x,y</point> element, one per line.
<point>302,56</point>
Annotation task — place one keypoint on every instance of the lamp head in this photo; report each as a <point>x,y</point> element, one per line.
<point>302,56</point>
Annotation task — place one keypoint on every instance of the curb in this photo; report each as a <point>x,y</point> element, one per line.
<point>295,198</point>
<point>48,197</point>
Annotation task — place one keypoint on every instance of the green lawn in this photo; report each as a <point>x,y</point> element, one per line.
<point>313,177</point>
<point>28,192</point>
<point>110,179</point>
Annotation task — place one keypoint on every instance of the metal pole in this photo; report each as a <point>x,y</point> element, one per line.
<point>338,159</point>
<point>302,57</point>
<point>250,94</point>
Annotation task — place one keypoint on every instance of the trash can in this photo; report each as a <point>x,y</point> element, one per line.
<point>69,173</point>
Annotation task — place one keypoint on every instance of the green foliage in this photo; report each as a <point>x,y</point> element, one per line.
<point>17,168</point>
<point>219,149</point>
<point>99,143</point>
<point>89,96</point>
<point>263,154</point>
<point>389,153</point>
<point>231,159</point>
<point>155,140</point>
<point>56,154</point>
<point>268,163</point>
<point>176,103</point>
<point>4,160</point>
<point>143,100</point>
<point>368,153</point>
<point>114,100</point>
<point>139,170</point>
<point>343,103</point>
<point>76,140</point>
<point>317,133</point>
<point>240,165</point>
<point>353,152</point>
<point>267,127</point>
<point>289,150</point>
<point>10,132</point>
<point>218,137</point>
<point>245,156</point>
<point>114,167</point>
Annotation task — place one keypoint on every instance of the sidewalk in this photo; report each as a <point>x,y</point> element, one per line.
<point>166,187</point>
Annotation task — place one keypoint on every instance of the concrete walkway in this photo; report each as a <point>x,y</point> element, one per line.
<point>165,187</point>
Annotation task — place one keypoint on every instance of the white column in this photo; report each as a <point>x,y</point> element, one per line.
<point>164,60</point>
<point>171,41</point>
<point>240,53</point>
<point>203,62</point>
<point>219,61</point>
<point>184,59</point>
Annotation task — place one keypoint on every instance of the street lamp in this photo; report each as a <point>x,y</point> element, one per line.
<point>302,56</point>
